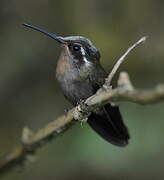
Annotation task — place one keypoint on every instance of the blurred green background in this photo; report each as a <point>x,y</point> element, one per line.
<point>30,95</point>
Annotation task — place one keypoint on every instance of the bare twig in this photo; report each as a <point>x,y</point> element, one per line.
<point>121,60</point>
<point>31,141</point>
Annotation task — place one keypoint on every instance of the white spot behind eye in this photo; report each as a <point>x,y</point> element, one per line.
<point>84,58</point>
<point>82,51</point>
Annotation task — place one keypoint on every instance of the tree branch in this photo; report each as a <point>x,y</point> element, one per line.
<point>122,59</point>
<point>125,91</point>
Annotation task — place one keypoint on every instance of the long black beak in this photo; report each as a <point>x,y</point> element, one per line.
<point>54,36</point>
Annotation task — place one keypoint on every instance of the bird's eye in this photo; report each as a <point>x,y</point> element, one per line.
<point>76,47</point>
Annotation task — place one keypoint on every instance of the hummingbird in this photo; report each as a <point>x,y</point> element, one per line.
<point>80,75</point>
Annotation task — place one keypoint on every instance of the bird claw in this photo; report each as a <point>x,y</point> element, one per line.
<point>66,111</point>
<point>80,101</point>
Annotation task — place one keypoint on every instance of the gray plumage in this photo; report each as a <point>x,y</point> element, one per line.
<point>80,75</point>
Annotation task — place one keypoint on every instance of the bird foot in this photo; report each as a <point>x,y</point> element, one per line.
<point>80,101</point>
<point>66,111</point>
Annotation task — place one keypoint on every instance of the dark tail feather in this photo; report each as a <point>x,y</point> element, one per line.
<point>109,125</point>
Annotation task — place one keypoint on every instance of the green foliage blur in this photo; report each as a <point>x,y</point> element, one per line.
<point>30,95</point>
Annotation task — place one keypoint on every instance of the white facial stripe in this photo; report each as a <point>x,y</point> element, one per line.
<point>82,51</point>
<point>84,58</point>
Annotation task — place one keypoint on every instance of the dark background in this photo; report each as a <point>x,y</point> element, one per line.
<point>30,95</point>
